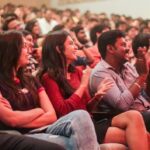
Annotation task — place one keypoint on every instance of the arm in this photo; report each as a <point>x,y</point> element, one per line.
<point>46,104</point>
<point>142,69</point>
<point>148,85</point>
<point>118,96</point>
<point>103,87</point>
<point>43,120</point>
<point>61,105</point>
<point>88,55</point>
<point>74,102</point>
<point>17,118</point>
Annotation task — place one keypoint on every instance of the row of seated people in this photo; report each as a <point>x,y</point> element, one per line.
<point>32,108</point>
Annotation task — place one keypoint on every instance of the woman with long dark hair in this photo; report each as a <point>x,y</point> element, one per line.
<point>24,104</point>
<point>67,87</point>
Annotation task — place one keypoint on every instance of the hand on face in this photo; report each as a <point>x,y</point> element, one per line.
<point>141,52</point>
<point>142,62</point>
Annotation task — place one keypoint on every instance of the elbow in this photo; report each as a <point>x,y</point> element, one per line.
<point>52,117</point>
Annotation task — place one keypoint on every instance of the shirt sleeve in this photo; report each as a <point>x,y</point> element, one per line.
<point>118,96</point>
<point>62,106</point>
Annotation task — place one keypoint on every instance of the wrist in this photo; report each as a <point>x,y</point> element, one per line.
<point>82,86</point>
<point>141,79</point>
<point>137,85</point>
<point>40,89</point>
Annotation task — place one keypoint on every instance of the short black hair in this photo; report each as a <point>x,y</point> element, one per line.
<point>108,38</point>
<point>97,29</point>
<point>140,40</point>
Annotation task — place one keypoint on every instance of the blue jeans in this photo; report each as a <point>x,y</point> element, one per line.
<point>74,131</point>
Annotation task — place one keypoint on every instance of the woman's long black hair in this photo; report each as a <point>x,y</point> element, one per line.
<point>11,43</point>
<point>54,60</point>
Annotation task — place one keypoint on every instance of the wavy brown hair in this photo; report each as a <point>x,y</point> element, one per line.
<point>11,43</point>
<point>54,62</point>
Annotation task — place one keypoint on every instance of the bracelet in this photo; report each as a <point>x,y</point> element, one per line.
<point>40,89</point>
<point>139,86</point>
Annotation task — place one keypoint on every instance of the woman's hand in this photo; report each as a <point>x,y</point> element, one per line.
<point>85,77</point>
<point>103,87</point>
<point>142,63</point>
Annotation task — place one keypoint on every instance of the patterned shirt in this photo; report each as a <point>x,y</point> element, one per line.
<point>119,96</point>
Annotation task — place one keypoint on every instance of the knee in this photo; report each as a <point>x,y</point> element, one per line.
<point>81,114</point>
<point>82,117</point>
<point>134,116</point>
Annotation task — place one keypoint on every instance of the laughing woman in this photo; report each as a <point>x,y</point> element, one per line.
<point>24,105</point>
<point>67,87</point>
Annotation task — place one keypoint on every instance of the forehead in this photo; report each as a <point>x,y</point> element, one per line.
<point>13,23</point>
<point>69,38</point>
<point>120,40</point>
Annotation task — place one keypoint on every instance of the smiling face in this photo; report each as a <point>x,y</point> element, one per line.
<point>120,51</point>
<point>36,29</point>
<point>23,60</point>
<point>70,50</point>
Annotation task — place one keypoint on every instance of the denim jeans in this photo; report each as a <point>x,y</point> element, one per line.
<point>74,131</point>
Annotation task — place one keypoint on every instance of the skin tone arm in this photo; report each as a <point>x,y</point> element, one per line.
<point>33,118</point>
<point>84,82</point>
<point>49,115</point>
<point>86,53</point>
<point>17,118</point>
<point>142,69</point>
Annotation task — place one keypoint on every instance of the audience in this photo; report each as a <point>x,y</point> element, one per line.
<point>25,105</point>
<point>61,47</point>
<point>66,86</point>
<point>113,49</point>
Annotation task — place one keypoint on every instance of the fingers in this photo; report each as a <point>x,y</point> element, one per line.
<point>103,87</point>
<point>105,82</point>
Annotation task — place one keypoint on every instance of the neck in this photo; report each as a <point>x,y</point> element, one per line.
<point>115,63</point>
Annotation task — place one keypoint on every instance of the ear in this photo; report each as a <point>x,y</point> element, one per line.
<point>110,49</point>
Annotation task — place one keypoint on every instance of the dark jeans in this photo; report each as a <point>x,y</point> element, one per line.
<point>146,117</point>
<point>19,142</point>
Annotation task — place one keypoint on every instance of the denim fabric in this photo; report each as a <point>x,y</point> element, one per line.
<point>74,131</point>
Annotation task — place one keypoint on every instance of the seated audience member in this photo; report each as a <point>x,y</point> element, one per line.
<point>131,32</point>
<point>24,104</point>
<point>33,63</point>
<point>81,35</point>
<point>140,46</point>
<point>95,32</point>
<point>113,48</point>
<point>66,86</point>
<point>20,142</point>
<point>47,23</point>
<point>12,23</point>
<point>33,27</point>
